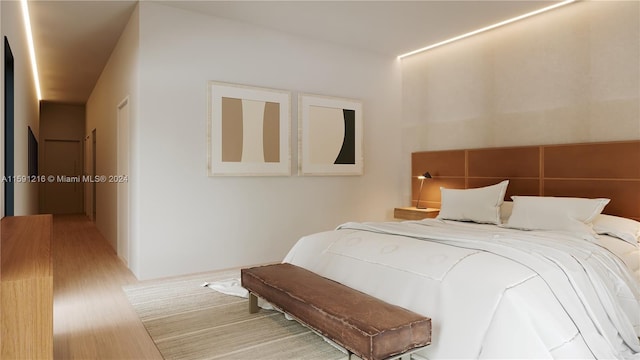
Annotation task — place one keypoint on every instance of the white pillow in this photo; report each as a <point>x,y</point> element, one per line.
<point>622,228</point>
<point>505,211</point>
<point>556,213</point>
<point>480,205</point>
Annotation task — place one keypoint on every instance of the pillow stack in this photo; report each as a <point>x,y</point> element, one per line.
<point>622,228</point>
<point>579,216</point>
<point>556,213</point>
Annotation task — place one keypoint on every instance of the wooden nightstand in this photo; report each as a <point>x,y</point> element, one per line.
<point>413,213</point>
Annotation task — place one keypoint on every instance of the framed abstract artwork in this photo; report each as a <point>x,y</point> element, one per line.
<point>330,136</point>
<point>249,131</point>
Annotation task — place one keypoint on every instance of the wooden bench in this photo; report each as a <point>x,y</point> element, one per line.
<point>365,326</point>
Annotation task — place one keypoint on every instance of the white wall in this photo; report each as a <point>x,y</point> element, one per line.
<point>184,221</point>
<point>26,107</point>
<point>570,75</point>
<point>118,80</point>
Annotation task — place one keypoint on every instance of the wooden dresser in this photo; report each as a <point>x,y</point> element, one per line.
<point>26,287</point>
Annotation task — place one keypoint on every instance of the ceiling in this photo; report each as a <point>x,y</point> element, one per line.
<point>73,39</point>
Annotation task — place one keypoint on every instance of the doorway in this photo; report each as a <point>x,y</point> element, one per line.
<point>62,192</point>
<point>9,157</point>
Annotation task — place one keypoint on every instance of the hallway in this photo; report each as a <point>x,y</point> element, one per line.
<point>92,318</point>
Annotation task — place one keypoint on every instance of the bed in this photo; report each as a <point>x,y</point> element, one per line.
<point>552,272</point>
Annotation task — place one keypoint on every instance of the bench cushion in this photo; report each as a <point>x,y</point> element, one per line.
<point>364,325</point>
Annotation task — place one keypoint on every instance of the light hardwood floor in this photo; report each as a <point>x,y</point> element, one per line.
<point>92,318</point>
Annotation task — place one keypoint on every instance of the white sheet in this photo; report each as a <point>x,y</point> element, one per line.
<point>627,252</point>
<point>490,292</point>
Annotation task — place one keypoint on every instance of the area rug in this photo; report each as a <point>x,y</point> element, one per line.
<point>189,321</point>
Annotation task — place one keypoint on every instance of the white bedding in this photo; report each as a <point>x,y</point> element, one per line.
<point>629,254</point>
<point>491,292</point>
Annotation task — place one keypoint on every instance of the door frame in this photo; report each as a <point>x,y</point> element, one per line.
<point>123,190</point>
<point>90,172</point>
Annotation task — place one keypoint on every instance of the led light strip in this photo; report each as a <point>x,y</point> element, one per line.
<point>32,50</point>
<point>490,27</point>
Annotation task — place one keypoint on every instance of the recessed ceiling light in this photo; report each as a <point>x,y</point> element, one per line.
<point>32,51</point>
<point>487,28</point>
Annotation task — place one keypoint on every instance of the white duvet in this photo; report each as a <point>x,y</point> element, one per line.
<point>490,292</point>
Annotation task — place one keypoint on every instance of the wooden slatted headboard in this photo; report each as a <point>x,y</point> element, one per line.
<point>589,170</point>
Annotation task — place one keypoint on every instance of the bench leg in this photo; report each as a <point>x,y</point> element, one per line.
<point>253,303</point>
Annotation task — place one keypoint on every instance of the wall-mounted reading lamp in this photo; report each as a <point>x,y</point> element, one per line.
<point>426,175</point>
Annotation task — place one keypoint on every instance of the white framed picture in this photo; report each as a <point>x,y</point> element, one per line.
<point>330,135</point>
<point>249,131</point>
